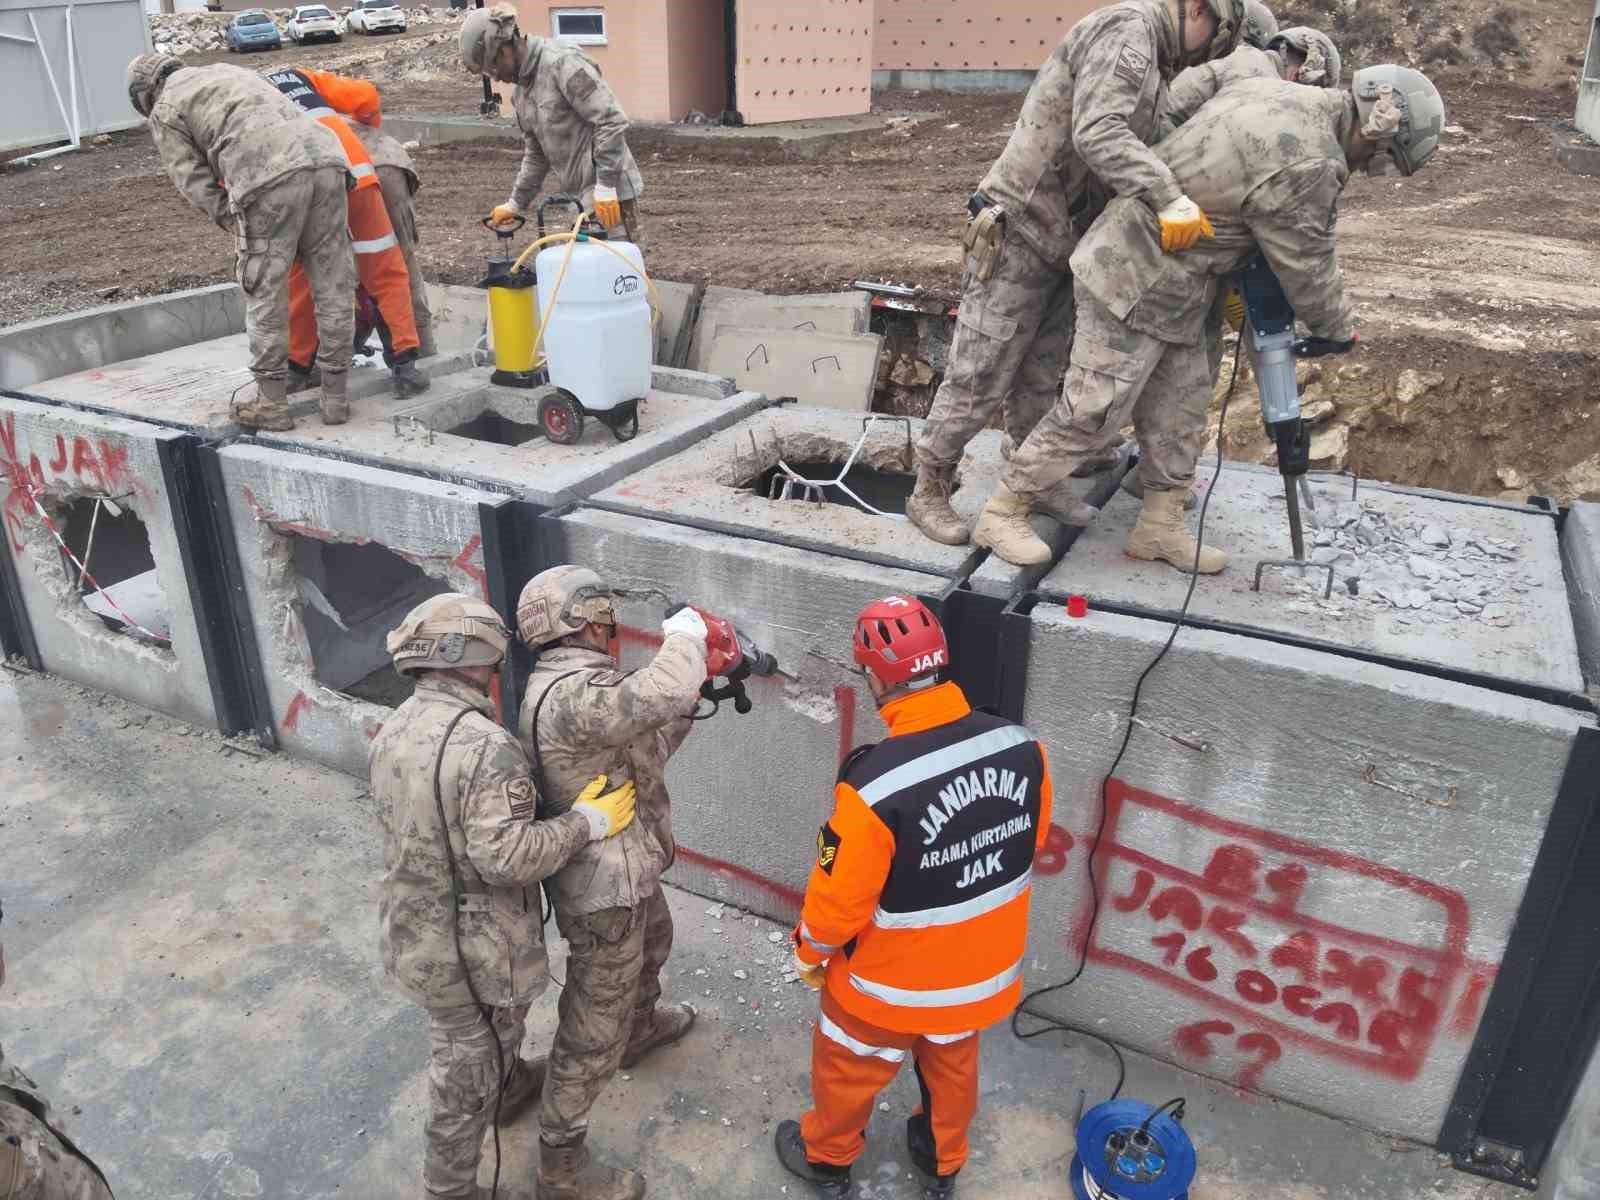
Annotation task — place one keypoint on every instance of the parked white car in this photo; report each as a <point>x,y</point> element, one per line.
<point>312,23</point>
<point>376,16</point>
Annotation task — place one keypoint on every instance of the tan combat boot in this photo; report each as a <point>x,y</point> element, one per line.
<point>1060,503</point>
<point>1160,536</point>
<point>929,507</point>
<point>656,1028</point>
<point>566,1173</point>
<point>1003,527</point>
<point>267,410</point>
<point>301,379</point>
<point>335,397</point>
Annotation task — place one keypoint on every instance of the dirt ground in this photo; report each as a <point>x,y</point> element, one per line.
<point>1480,276</point>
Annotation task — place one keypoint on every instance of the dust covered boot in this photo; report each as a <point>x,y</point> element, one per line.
<point>1060,503</point>
<point>1003,527</point>
<point>656,1028</point>
<point>1160,535</point>
<point>267,410</point>
<point>525,1085</point>
<point>1133,484</point>
<point>929,507</point>
<point>302,378</point>
<point>566,1173</point>
<point>830,1182</point>
<point>408,381</point>
<point>335,397</point>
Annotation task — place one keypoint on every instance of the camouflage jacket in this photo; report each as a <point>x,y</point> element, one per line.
<point>1085,129</point>
<point>37,1160</point>
<point>500,849</point>
<point>223,133</point>
<point>624,725</point>
<point>1198,84</point>
<point>572,124</point>
<point>1265,160</point>
<point>385,151</point>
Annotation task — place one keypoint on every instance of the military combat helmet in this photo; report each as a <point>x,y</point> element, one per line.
<point>146,74</point>
<point>448,631</point>
<point>483,32</point>
<point>1322,66</point>
<point>559,602</point>
<point>1259,24</point>
<point>1402,111</point>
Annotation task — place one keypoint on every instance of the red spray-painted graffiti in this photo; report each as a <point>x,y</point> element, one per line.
<point>101,465</point>
<point>1248,922</point>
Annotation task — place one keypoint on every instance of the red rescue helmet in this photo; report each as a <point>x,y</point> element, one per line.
<point>899,641</point>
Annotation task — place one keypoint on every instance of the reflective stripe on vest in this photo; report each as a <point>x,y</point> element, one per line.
<point>954,914</point>
<point>819,947</point>
<point>946,1039</point>
<point>376,245</point>
<point>972,993</point>
<point>833,1033</point>
<point>942,762</point>
<point>299,88</point>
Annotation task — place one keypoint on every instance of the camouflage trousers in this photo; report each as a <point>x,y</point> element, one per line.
<point>302,216</point>
<point>614,966</point>
<point>35,1163</point>
<point>1119,375</point>
<point>402,206</point>
<point>1013,336</point>
<point>461,1091</point>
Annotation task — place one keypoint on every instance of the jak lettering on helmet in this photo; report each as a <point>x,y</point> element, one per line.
<point>928,662</point>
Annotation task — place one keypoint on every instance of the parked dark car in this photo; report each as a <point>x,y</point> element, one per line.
<point>252,31</point>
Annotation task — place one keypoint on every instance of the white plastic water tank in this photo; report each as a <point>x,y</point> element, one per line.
<point>598,341</point>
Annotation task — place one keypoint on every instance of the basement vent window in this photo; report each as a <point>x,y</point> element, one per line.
<point>109,564</point>
<point>490,426</point>
<point>886,491</point>
<point>350,597</point>
<point>582,26</point>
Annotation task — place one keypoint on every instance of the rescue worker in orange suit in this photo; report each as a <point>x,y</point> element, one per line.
<point>380,263</point>
<point>916,914</point>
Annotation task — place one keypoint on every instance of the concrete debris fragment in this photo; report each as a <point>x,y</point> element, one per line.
<point>1432,535</point>
<point>1510,478</point>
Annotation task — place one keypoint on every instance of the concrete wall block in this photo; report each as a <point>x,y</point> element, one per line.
<point>1311,864</point>
<point>750,791</point>
<point>52,458</point>
<point>1580,555</point>
<point>460,316</point>
<point>287,511</point>
<point>679,302</point>
<point>112,333</point>
<point>820,369</point>
<point>692,383</point>
<point>849,313</point>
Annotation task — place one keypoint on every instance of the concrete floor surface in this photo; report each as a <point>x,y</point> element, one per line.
<point>193,978</point>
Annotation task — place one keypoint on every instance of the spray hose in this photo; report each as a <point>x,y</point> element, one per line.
<point>572,237</point>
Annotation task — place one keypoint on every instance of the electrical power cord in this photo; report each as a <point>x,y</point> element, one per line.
<point>1049,1024</point>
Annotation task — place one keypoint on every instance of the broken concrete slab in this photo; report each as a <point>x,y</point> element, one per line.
<point>128,624</point>
<point>1576,151</point>
<point>1580,554</point>
<point>828,309</point>
<point>469,430</point>
<point>679,301</point>
<point>1450,582</point>
<point>823,370</point>
<point>1310,865</point>
<point>112,333</point>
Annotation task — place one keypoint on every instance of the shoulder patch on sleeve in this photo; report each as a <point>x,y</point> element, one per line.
<point>827,848</point>
<point>1133,64</point>
<point>520,798</point>
<point>608,678</point>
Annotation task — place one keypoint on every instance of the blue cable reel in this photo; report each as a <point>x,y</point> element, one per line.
<point>1130,1150</point>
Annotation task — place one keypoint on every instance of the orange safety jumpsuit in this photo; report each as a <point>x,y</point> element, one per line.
<point>380,263</point>
<point>918,903</point>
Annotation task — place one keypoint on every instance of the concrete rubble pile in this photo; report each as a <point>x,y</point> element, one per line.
<point>183,34</point>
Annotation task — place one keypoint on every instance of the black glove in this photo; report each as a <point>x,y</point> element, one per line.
<point>1319,347</point>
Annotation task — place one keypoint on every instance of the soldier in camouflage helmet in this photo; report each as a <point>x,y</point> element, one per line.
<point>571,122</point>
<point>581,716</point>
<point>464,849</point>
<point>1260,25</point>
<point>1268,159</point>
<point>248,157</point>
<point>1083,135</point>
<point>37,1160</point>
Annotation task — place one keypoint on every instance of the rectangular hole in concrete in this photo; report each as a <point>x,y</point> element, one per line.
<point>490,426</point>
<point>886,491</point>
<point>119,583</point>
<point>367,589</point>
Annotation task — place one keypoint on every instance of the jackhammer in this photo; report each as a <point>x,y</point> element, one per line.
<point>732,657</point>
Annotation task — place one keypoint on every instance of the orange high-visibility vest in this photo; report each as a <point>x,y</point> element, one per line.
<point>316,92</point>
<point>919,897</point>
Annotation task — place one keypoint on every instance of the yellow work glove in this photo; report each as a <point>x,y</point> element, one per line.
<point>1182,225</point>
<point>1233,309</point>
<point>608,813</point>
<point>607,208</point>
<point>503,214</point>
<point>810,975</point>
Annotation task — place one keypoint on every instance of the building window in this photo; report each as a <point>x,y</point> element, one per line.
<point>585,26</point>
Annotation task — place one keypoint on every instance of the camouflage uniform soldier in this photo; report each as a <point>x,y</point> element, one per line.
<point>37,1160</point>
<point>397,175</point>
<point>1081,137</point>
<point>245,155</point>
<point>571,123</point>
<point>1268,159</point>
<point>460,919</point>
<point>580,716</point>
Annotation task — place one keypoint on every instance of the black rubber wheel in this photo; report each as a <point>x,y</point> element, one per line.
<point>561,418</point>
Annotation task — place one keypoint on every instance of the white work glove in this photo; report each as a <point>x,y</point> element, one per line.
<point>810,974</point>
<point>608,813</point>
<point>1182,225</point>
<point>607,208</point>
<point>687,622</point>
